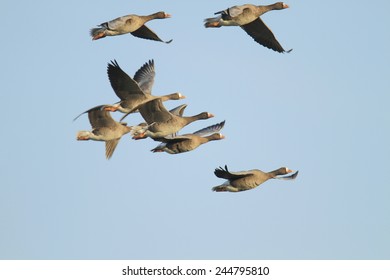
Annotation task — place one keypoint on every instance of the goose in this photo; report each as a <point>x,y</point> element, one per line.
<point>178,111</point>
<point>247,180</point>
<point>134,92</point>
<point>104,128</point>
<point>248,18</point>
<point>134,24</point>
<point>188,142</point>
<point>161,122</point>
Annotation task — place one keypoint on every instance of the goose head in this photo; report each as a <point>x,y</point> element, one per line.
<point>162,15</point>
<point>280,6</point>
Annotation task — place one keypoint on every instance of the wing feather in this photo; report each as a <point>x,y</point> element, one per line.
<point>122,84</point>
<point>259,31</point>
<point>145,33</point>
<point>117,23</point>
<point>100,118</point>
<point>145,77</point>
<point>210,129</point>
<point>154,111</point>
<point>110,147</point>
<point>289,177</point>
<point>226,174</point>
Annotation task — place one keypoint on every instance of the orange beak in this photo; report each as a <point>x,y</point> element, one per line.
<point>99,36</point>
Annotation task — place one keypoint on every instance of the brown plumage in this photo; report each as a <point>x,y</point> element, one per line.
<point>188,142</point>
<point>161,122</point>
<point>247,180</point>
<point>134,92</point>
<point>248,18</point>
<point>104,128</point>
<point>134,24</point>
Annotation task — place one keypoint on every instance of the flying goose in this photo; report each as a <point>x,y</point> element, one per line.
<point>104,128</point>
<point>247,180</point>
<point>248,18</point>
<point>134,92</point>
<point>161,122</point>
<point>188,142</point>
<point>134,24</point>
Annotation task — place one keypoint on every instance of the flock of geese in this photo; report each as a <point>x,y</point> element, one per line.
<point>162,125</point>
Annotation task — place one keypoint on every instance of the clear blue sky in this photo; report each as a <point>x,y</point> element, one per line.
<point>323,109</point>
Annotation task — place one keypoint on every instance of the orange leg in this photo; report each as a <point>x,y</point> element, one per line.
<point>99,36</point>
<point>213,24</point>
<point>110,109</point>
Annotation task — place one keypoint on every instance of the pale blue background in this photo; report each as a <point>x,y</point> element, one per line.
<point>322,109</point>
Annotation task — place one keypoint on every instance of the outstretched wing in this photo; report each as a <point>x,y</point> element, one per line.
<point>145,77</point>
<point>100,107</point>
<point>110,147</point>
<point>101,118</point>
<point>179,110</point>
<point>145,33</point>
<point>289,177</point>
<point>226,174</point>
<point>210,129</point>
<point>121,83</point>
<point>175,138</point>
<point>154,111</point>
<point>263,35</point>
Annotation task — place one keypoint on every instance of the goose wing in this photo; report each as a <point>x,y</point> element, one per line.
<point>117,23</point>
<point>260,32</point>
<point>100,107</point>
<point>210,129</point>
<point>289,177</point>
<point>101,118</point>
<point>110,147</point>
<point>226,174</point>
<point>154,111</point>
<point>179,110</point>
<point>231,12</point>
<point>122,84</point>
<point>145,77</point>
<point>145,33</point>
